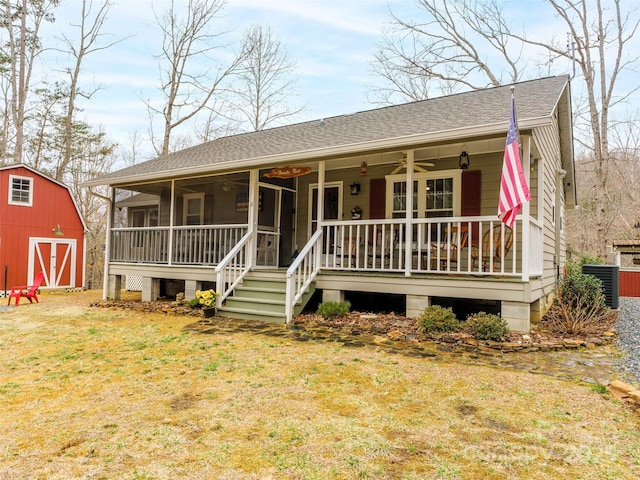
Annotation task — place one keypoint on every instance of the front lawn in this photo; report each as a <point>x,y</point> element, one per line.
<point>88,392</point>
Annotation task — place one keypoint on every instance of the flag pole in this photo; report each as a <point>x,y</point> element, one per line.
<point>514,190</point>
<point>526,207</point>
<point>525,143</point>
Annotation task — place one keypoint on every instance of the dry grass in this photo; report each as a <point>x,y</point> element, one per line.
<point>104,393</point>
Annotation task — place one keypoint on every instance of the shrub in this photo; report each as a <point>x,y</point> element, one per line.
<point>330,310</point>
<point>579,306</point>
<point>437,319</point>
<point>576,287</point>
<point>486,326</point>
<point>589,259</point>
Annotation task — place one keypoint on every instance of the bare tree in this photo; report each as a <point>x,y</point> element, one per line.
<point>267,82</point>
<point>187,83</point>
<point>88,42</point>
<point>459,44</point>
<point>20,21</point>
<point>217,124</point>
<point>445,48</point>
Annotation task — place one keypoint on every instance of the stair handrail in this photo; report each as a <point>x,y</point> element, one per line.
<point>302,272</point>
<point>232,268</point>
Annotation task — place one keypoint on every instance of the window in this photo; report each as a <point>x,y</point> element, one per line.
<point>193,208</point>
<point>439,197</point>
<point>435,194</point>
<point>400,199</point>
<point>20,190</point>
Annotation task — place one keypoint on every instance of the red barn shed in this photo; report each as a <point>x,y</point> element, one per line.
<point>41,229</point>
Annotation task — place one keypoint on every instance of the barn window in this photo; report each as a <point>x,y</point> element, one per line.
<point>20,190</point>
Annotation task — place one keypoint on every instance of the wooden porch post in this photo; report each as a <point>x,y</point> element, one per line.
<point>320,207</point>
<point>107,243</point>
<point>252,216</point>
<point>172,213</point>
<point>408,254</point>
<point>526,210</point>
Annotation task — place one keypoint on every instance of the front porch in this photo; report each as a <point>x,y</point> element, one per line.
<point>486,262</point>
<point>214,230</point>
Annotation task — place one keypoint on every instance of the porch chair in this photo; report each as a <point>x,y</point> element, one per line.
<point>454,239</point>
<point>492,257</point>
<point>347,252</point>
<point>379,252</point>
<point>26,291</point>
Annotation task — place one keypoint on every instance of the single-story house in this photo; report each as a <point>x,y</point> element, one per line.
<point>268,217</point>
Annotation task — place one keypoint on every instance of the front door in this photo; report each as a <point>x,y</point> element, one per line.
<point>56,258</point>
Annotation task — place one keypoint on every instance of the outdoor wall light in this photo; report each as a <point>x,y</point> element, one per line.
<point>355,188</point>
<point>56,231</point>
<point>463,161</point>
<point>363,169</point>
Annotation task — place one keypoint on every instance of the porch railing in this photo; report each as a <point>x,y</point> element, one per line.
<point>192,245</point>
<point>204,245</point>
<point>465,245</point>
<point>302,272</point>
<point>233,268</point>
<point>140,245</point>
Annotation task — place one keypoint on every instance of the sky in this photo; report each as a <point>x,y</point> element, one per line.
<point>332,43</point>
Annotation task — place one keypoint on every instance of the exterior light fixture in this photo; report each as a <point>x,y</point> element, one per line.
<point>464,161</point>
<point>56,231</point>
<point>363,169</point>
<point>355,188</point>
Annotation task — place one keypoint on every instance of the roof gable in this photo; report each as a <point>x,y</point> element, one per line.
<point>22,166</point>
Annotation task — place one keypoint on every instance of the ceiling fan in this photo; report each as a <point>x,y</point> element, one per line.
<point>418,166</point>
<point>226,184</point>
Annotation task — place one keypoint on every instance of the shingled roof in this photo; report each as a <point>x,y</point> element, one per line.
<point>443,118</point>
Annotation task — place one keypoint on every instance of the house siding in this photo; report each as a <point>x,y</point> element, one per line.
<point>548,143</point>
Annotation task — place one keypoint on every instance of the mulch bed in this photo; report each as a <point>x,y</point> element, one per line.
<point>399,328</point>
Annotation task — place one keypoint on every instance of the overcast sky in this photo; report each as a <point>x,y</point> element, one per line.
<point>331,41</point>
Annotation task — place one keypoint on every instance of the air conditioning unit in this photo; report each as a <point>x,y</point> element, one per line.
<point>609,275</point>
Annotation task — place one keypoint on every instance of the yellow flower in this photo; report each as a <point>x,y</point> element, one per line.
<point>206,298</point>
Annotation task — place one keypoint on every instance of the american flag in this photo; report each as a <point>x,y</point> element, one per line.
<point>513,185</point>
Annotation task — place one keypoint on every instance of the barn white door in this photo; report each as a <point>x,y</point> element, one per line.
<point>56,258</point>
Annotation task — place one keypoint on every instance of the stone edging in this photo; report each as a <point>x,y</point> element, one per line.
<point>527,344</point>
<point>472,344</point>
<point>627,393</point>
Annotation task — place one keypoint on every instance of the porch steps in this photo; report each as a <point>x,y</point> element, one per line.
<point>261,296</point>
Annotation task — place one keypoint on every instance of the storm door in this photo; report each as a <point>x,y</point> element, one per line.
<point>267,251</point>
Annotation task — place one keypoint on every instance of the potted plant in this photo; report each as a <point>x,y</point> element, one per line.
<point>206,299</point>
